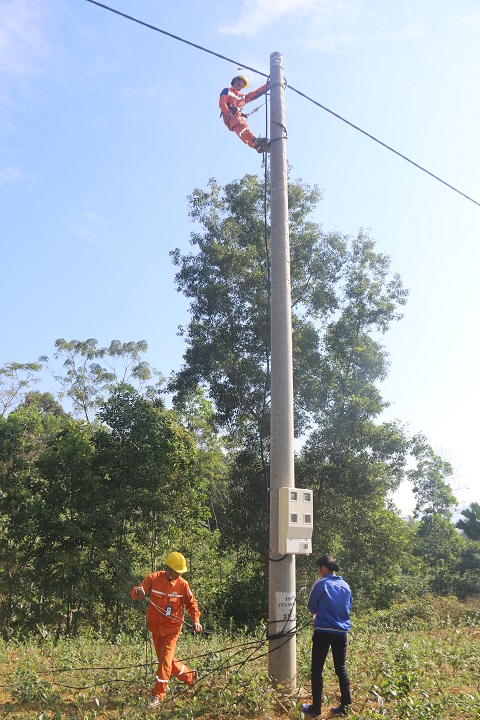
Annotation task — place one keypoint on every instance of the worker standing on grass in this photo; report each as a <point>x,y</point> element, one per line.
<point>329,601</point>
<point>231,104</point>
<point>169,594</point>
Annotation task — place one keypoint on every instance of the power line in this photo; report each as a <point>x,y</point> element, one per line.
<point>315,102</point>
<point>175,37</point>
<point>372,137</point>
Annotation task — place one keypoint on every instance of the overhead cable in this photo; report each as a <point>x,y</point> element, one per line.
<point>372,137</point>
<point>258,72</point>
<point>175,37</point>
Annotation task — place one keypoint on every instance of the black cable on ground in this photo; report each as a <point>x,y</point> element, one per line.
<point>227,664</point>
<point>153,662</point>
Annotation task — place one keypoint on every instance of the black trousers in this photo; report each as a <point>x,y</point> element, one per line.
<point>322,641</point>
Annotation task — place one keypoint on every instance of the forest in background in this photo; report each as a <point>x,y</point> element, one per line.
<point>101,478</point>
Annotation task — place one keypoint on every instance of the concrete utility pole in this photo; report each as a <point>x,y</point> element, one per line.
<point>282,667</point>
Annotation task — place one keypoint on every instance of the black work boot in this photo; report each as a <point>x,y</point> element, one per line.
<point>261,145</point>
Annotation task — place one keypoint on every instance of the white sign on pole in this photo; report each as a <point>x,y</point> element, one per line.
<point>285,606</point>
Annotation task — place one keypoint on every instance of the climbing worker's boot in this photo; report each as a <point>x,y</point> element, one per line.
<point>261,145</point>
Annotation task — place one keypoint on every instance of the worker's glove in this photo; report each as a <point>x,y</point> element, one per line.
<point>140,592</point>
<point>234,110</point>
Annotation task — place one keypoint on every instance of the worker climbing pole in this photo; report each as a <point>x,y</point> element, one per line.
<point>231,104</point>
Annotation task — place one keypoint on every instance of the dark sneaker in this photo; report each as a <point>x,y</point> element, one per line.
<point>341,710</point>
<point>310,710</point>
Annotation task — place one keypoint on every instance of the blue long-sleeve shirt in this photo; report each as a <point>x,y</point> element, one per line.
<point>330,600</point>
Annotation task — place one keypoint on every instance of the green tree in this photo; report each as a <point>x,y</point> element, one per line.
<point>197,414</point>
<point>156,498</point>
<point>468,568</point>
<point>436,544</point>
<point>352,475</point>
<point>434,495</point>
<point>44,403</point>
<point>242,511</point>
<point>89,372</point>
<point>438,548</point>
<point>469,523</point>
<point>344,298</point>
<point>467,571</point>
<point>73,539</point>
<point>227,283</point>
<point>341,294</point>
<point>85,510</point>
<point>351,460</point>
<point>15,380</point>
<point>23,435</point>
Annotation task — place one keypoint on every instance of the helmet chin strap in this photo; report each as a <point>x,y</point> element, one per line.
<point>169,573</point>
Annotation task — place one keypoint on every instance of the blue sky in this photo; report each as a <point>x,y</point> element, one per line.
<point>106,127</point>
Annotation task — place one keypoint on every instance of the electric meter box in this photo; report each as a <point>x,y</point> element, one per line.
<point>295,521</point>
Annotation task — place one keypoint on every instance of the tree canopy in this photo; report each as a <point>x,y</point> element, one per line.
<point>92,495</point>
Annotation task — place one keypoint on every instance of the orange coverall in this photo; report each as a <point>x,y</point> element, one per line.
<point>231,98</point>
<point>165,620</point>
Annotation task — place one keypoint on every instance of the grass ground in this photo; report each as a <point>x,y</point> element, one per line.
<point>414,661</point>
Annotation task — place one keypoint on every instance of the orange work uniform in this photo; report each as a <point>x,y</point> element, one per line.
<point>231,103</point>
<point>165,620</point>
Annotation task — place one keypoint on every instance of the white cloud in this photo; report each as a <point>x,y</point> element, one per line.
<point>153,93</point>
<point>91,229</point>
<point>410,32</point>
<point>329,25</point>
<point>23,42</point>
<point>331,41</point>
<point>100,66</point>
<point>170,93</point>
<point>11,175</point>
<point>255,15</point>
<point>468,21</point>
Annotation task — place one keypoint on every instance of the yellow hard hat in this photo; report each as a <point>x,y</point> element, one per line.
<point>241,77</point>
<point>176,562</point>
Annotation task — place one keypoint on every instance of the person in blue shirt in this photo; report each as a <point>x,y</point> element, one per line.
<point>329,601</point>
